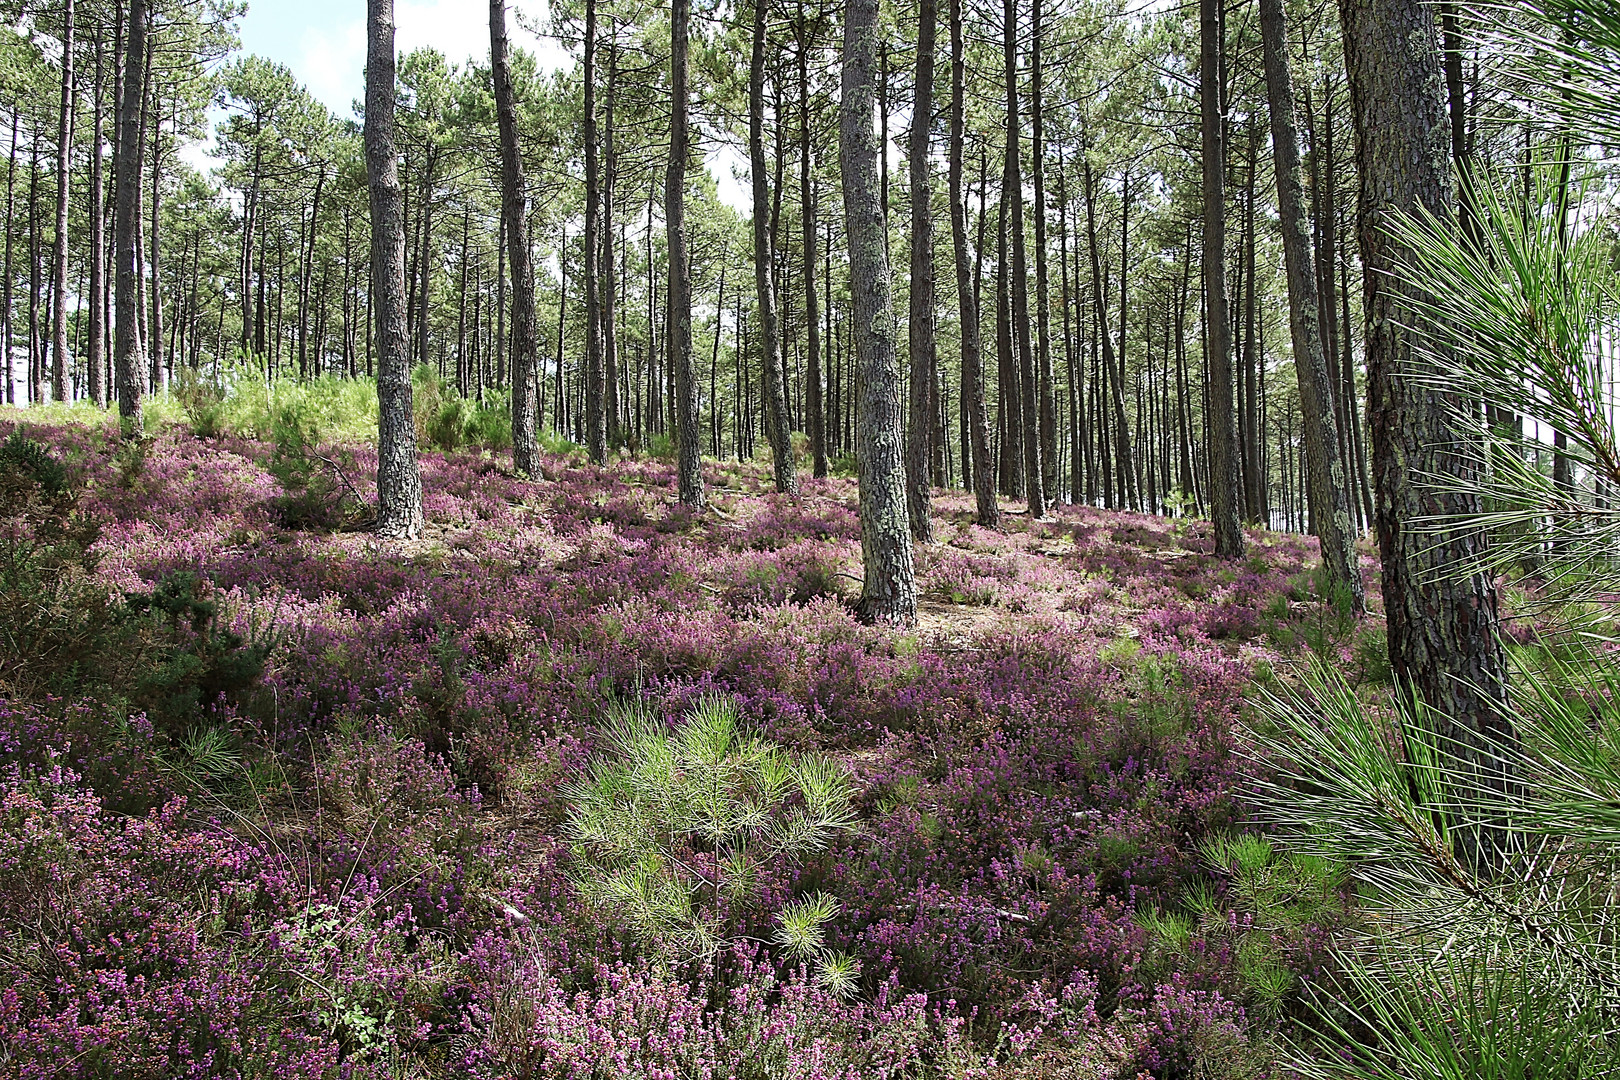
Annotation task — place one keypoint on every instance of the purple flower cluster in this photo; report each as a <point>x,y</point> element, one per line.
<point>377,874</point>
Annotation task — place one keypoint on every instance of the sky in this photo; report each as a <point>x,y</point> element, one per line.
<point>324,43</point>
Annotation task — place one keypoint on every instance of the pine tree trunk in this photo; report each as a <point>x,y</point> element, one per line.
<point>515,229</point>
<point>1043,305</point>
<point>689,466</point>
<point>764,268</point>
<point>595,420</point>
<point>399,483</point>
<point>815,419</point>
<point>890,593</point>
<point>64,147</point>
<point>978,435</point>
<point>1329,490</point>
<point>1442,614</point>
<point>6,328</point>
<point>126,226</point>
<point>920,344</point>
<point>604,276</point>
<point>1013,190</point>
<point>1221,422</point>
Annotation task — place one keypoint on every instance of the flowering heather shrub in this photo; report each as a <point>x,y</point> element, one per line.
<point>355,861</point>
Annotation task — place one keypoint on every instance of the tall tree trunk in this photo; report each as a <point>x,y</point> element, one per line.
<point>890,592</point>
<point>155,326</point>
<point>6,328</point>
<point>1013,189</point>
<point>764,267</point>
<point>126,223</point>
<point>595,420</point>
<point>815,419</point>
<point>921,341</point>
<point>1442,610</point>
<point>1329,489</point>
<point>1221,423</point>
<point>1130,483</point>
<point>1043,305</point>
<point>64,148</point>
<point>978,434</point>
<point>515,229</point>
<point>399,483</point>
<point>689,466</point>
<point>604,276</point>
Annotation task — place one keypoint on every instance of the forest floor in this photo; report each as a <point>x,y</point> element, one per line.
<point>281,799</point>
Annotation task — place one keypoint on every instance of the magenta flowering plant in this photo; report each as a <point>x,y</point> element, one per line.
<point>373,861</point>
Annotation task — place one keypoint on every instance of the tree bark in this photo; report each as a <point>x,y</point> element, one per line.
<point>604,276</point>
<point>1013,189</point>
<point>920,345</point>
<point>689,455</point>
<point>983,470</point>
<point>126,224</point>
<point>64,147</point>
<point>515,227</point>
<point>1329,490</point>
<point>595,426</point>
<point>1441,610</point>
<point>1220,433</point>
<point>815,419</point>
<point>1043,307</point>
<point>890,592</point>
<point>764,268</point>
<point>6,327</point>
<point>399,483</point>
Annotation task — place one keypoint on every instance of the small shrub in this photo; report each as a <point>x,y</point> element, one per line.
<point>33,462</point>
<point>202,400</point>
<point>671,826</point>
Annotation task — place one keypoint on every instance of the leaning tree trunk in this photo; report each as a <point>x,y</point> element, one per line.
<point>967,305</point>
<point>126,224</point>
<point>1330,494</point>
<point>689,460</point>
<point>919,449</point>
<point>64,147</point>
<point>399,483</point>
<point>1222,418</point>
<point>764,287</point>
<point>1440,607</point>
<point>525,338</point>
<point>890,593</point>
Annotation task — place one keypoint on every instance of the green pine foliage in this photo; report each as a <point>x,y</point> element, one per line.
<point>672,825</point>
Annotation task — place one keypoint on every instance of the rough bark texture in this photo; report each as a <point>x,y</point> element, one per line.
<point>399,484</point>
<point>1043,303</point>
<point>525,337</point>
<point>595,418</point>
<point>1330,493</point>
<point>126,224</point>
<point>1224,489</point>
<point>978,437</point>
<point>1012,192</point>
<point>1443,642</point>
<point>764,287</point>
<point>920,345</point>
<point>816,419</point>
<point>64,146</point>
<point>689,459</point>
<point>890,593</point>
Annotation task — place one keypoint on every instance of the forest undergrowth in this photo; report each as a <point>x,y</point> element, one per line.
<point>277,799</point>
